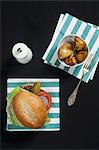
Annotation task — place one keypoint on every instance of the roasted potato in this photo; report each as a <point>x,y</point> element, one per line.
<point>70,61</point>
<point>85,48</point>
<point>73,51</point>
<point>74,60</point>
<point>64,51</point>
<point>79,44</point>
<point>67,46</point>
<point>81,56</point>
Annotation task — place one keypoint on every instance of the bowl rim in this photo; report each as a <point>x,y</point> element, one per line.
<point>63,63</point>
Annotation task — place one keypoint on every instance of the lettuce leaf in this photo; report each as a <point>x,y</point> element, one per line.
<point>14,92</point>
<point>47,121</point>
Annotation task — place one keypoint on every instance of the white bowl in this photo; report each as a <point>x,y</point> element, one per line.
<point>63,41</point>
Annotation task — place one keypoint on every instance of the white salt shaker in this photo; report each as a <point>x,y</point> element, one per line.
<point>22,53</point>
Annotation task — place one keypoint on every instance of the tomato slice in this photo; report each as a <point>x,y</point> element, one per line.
<point>46,98</point>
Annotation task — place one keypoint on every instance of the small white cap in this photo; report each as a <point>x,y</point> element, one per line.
<point>20,50</point>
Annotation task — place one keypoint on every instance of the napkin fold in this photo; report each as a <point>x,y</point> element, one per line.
<point>67,24</point>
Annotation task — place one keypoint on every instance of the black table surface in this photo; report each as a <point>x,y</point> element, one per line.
<point>33,23</point>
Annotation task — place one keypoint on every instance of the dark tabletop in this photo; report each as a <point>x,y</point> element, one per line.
<point>33,23</point>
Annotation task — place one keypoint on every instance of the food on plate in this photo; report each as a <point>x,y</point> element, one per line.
<point>73,51</point>
<point>81,56</point>
<point>36,87</point>
<point>70,60</point>
<point>46,98</point>
<point>65,51</point>
<point>28,107</point>
<point>80,44</point>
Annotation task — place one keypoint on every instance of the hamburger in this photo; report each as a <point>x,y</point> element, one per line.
<point>28,106</point>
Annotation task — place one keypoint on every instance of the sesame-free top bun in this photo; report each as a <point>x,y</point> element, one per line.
<point>29,109</point>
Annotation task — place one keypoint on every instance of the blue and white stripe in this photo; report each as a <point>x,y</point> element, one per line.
<point>72,25</point>
<point>49,85</point>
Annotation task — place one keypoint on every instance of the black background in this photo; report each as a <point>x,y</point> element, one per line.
<point>33,23</point>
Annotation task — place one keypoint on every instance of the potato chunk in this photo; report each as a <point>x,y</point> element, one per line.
<point>70,61</point>
<point>64,51</point>
<point>79,43</point>
<point>81,56</point>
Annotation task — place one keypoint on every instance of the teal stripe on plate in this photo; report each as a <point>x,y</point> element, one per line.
<point>85,32</point>
<point>51,126</point>
<point>54,94</point>
<point>54,115</point>
<point>43,84</point>
<point>55,105</point>
<point>50,84</point>
<point>48,126</point>
<point>54,47</point>
<point>12,126</point>
<point>93,39</point>
<point>76,27</point>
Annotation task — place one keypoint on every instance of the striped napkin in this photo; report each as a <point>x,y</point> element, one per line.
<point>67,25</point>
<point>49,85</point>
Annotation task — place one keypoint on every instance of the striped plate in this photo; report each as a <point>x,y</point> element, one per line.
<point>72,25</point>
<point>49,85</point>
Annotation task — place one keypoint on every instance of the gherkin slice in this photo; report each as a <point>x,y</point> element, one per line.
<point>36,87</point>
